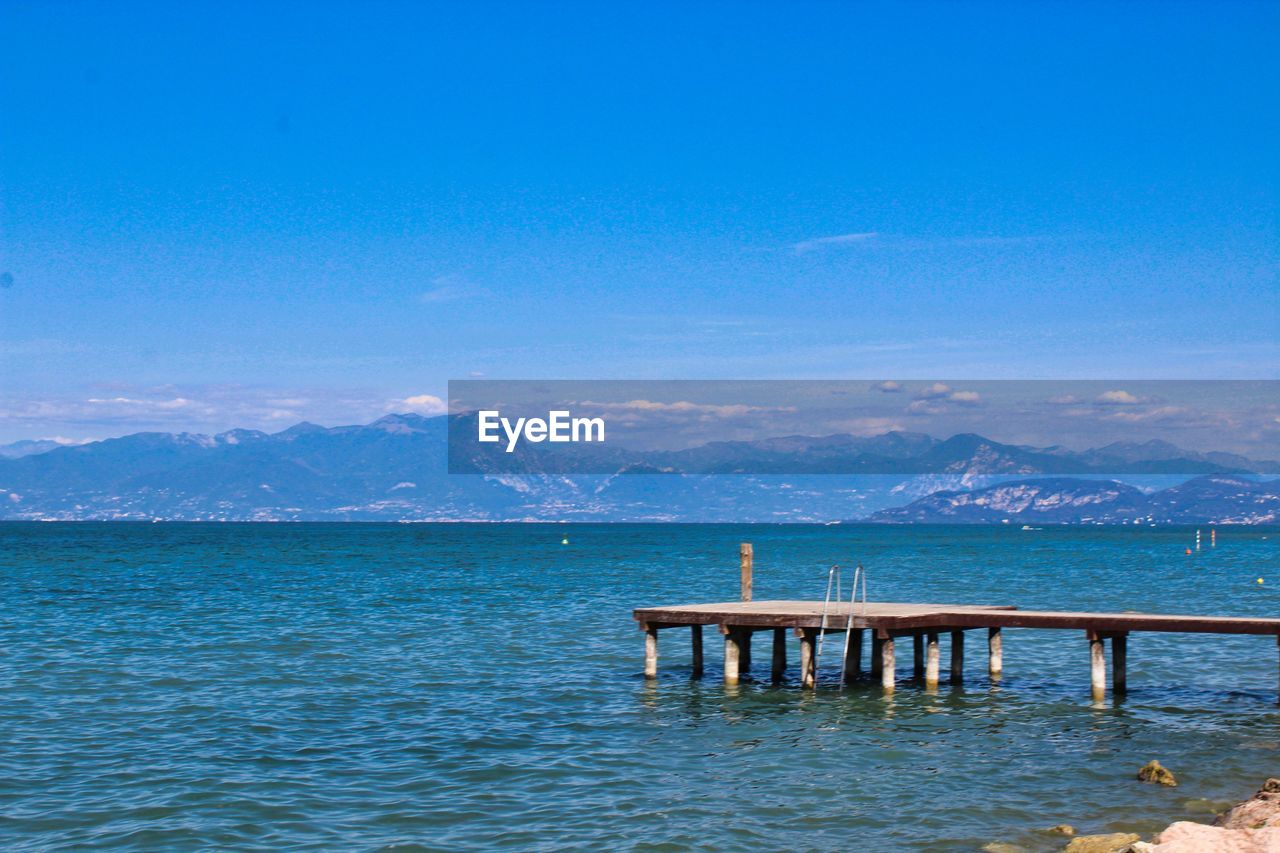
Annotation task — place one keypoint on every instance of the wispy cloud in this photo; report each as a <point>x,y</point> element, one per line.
<point>933,392</point>
<point>834,240</point>
<point>684,407</point>
<point>1118,398</point>
<point>422,404</point>
<point>866,426</point>
<point>449,288</point>
<point>937,398</point>
<point>117,409</point>
<point>908,242</point>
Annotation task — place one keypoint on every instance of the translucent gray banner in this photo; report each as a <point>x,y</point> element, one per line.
<point>884,428</point>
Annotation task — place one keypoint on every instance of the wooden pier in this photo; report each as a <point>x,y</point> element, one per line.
<point>925,624</point>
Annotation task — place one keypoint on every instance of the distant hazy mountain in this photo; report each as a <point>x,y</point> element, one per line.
<point>1213,498</point>
<point>395,469</point>
<point>28,447</point>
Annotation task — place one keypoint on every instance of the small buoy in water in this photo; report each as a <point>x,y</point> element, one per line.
<point>1259,580</point>
<point>564,541</point>
<point>1188,552</point>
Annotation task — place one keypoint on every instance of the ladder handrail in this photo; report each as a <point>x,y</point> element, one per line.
<point>858,574</point>
<point>833,574</point>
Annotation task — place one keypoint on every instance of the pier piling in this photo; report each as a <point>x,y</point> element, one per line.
<point>650,652</point>
<point>1119,660</point>
<point>995,652</point>
<point>853,657</point>
<point>732,653</point>
<point>957,657</point>
<point>695,639</point>
<point>808,640</point>
<point>779,668</point>
<point>1098,666</point>
<point>933,660</point>
<point>917,655</point>
<point>887,664</point>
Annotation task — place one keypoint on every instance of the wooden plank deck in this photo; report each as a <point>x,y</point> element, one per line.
<point>902,616</point>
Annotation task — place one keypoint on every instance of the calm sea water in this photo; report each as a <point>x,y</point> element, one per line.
<point>470,686</point>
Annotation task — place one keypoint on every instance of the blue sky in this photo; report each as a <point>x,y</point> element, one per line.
<point>218,215</point>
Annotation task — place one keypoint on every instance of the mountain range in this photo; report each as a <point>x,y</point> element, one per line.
<point>1218,498</point>
<point>395,469</point>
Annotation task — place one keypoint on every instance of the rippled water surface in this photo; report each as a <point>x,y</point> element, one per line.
<point>469,686</point>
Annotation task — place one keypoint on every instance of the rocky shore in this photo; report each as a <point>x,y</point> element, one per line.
<point>1252,826</point>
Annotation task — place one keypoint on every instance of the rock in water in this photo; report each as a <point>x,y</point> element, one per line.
<point>1154,772</point>
<point>1262,810</point>
<point>1186,837</point>
<point>1003,847</point>
<point>1062,829</point>
<point>1112,842</point>
<point>1251,827</point>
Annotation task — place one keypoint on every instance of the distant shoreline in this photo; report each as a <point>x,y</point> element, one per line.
<point>1235,527</point>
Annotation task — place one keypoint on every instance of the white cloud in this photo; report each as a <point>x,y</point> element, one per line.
<point>925,407</point>
<point>422,404</point>
<point>1160,413</point>
<point>142,404</point>
<point>868,426</point>
<point>936,399</point>
<point>685,406</point>
<point>119,409</point>
<point>1117,398</point>
<point>933,392</point>
<point>448,288</point>
<point>835,240</point>
<point>887,387</point>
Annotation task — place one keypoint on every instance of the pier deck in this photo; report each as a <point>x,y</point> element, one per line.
<point>899,616</point>
<point>924,623</point>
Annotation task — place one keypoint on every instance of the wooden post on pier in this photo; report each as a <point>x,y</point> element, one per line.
<point>732,650</point>
<point>808,641</point>
<point>957,657</point>
<point>887,664</point>
<point>995,650</point>
<point>1119,659</point>
<point>650,652</point>
<point>1097,666</point>
<point>917,654</point>
<point>853,656</point>
<point>696,640</point>
<point>934,659</point>
<point>877,654</point>
<point>744,651</point>
<point>779,669</point>
<point>745,558</point>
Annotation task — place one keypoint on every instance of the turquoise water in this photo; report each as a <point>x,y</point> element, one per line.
<point>185,686</point>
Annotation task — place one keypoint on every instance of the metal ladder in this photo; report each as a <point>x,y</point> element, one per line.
<point>833,583</point>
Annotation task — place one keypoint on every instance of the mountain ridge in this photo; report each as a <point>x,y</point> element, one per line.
<point>395,468</point>
<point>1209,498</point>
